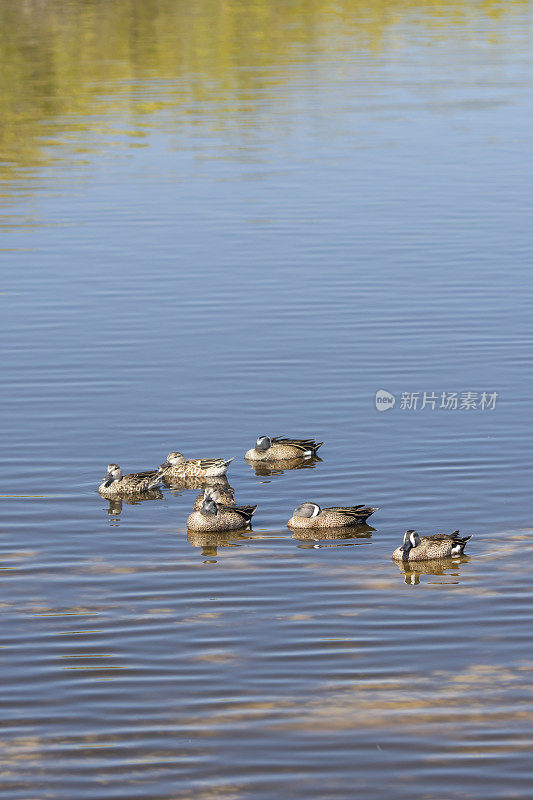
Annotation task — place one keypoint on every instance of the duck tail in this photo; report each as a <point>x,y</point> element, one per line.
<point>246,512</point>
<point>366,511</point>
<point>461,539</point>
<point>460,543</point>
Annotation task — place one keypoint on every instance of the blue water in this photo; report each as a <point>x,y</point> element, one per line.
<point>195,254</point>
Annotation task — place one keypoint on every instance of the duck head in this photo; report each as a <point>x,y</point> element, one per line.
<point>114,473</point>
<point>263,443</point>
<point>307,510</point>
<point>174,459</point>
<point>410,539</point>
<point>209,507</point>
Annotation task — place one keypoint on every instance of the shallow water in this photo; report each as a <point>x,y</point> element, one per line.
<point>221,220</point>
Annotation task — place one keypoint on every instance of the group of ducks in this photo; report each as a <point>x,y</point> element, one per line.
<point>215,510</point>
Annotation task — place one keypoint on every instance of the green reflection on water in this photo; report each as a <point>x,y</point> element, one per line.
<point>67,65</point>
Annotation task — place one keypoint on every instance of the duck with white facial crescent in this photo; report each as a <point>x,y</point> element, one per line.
<point>279,448</point>
<point>310,515</point>
<point>426,548</point>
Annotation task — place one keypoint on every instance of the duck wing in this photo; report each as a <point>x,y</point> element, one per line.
<point>444,537</point>
<point>345,508</point>
<point>205,463</point>
<point>301,444</point>
<point>353,511</point>
<point>246,512</point>
<point>140,476</point>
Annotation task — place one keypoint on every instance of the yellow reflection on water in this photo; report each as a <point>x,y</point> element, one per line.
<point>69,64</point>
<point>443,698</point>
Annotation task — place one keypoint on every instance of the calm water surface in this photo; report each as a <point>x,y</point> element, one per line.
<point>221,220</point>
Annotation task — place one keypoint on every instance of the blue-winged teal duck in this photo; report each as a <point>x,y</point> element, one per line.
<point>424,548</point>
<point>115,484</point>
<point>310,515</point>
<point>177,466</point>
<point>278,448</point>
<point>217,518</point>
<point>223,495</point>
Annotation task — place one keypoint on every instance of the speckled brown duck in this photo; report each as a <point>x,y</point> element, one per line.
<point>427,548</point>
<point>278,448</point>
<point>115,484</point>
<point>223,495</point>
<point>217,518</point>
<point>310,515</point>
<point>177,466</point>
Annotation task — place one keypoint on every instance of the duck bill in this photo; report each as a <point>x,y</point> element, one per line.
<point>164,465</point>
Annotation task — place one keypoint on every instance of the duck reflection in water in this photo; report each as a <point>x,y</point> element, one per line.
<point>348,535</point>
<point>191,484</point>
<point>115,505</point>
<point>264,469</point>
<point>114,511</point>
<point>442,567</point>
<point>210,542</point>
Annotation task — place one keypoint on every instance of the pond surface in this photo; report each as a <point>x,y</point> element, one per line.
<point>220,220</point>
